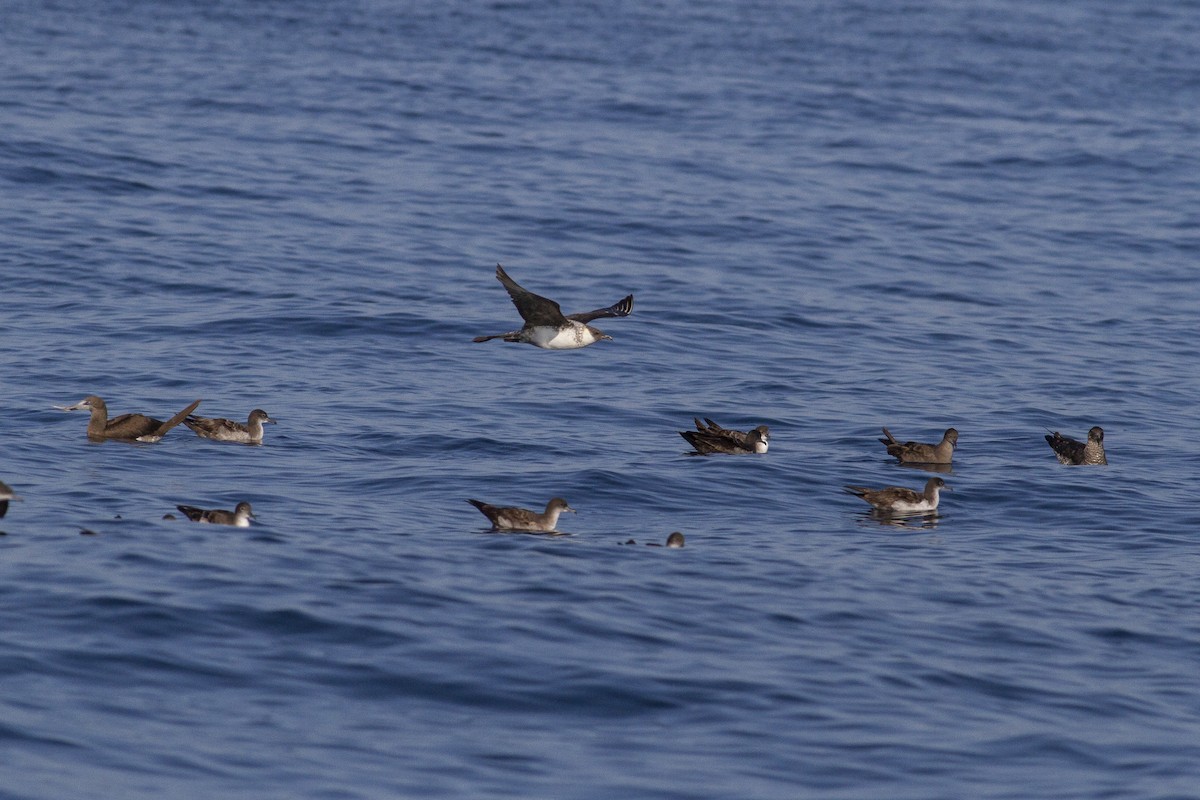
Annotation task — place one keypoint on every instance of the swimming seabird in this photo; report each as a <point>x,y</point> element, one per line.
<point>1070,451</point>
<point>899,500</point>
<point>6,495</point>
<point>675,540</point>
<point>227,430</point>
<point>545,324</point>
<point>240,516</point>
<point>134,427</point>
<point>709,437</point>
<point>520,519</point>
<point>921,453</point>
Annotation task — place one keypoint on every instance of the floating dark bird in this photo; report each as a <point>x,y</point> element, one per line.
<point>709,437</point>
<point>675,540</point>
<point>132,427</point>
<point>921,453</point>
<point>240,516</point>
<point>6,496</point>
<point>1069,451</point>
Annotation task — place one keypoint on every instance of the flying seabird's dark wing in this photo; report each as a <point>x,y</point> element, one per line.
<point>619,309</point>
<point>534,309</point>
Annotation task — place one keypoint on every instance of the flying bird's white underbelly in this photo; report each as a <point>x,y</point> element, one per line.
<point>577,335</point>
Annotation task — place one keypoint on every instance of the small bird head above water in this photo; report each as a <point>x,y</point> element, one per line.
<point>558,504</point>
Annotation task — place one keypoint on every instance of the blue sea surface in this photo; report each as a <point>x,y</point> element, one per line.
<point>834,217</point>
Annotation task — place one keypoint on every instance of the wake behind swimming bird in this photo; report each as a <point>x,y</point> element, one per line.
<point>546,326</point>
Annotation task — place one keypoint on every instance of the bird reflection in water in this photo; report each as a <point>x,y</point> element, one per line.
<point>925,521</point>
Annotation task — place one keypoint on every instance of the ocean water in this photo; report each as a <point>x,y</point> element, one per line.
<point>833,217</point>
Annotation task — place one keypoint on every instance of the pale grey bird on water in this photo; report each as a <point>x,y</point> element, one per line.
<point>132,427</point>
<point>227,430</point>
<point>546,326</point>
<point>899,500</point>
<point>521,519</point>
<point>709,437</point>
<point>921,453</point>
<point>1069,451</point>
<point>240,516</point>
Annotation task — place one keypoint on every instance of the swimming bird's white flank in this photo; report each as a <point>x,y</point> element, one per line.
<point>521,519</point>
<point>899,500</point>
<point>240,516</point>
<point>546,326</point>
<point>1069,451</point>
<point>227,430</point>
<point>133,427</point>
<point>921,453</point>
<point>709,437</point>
